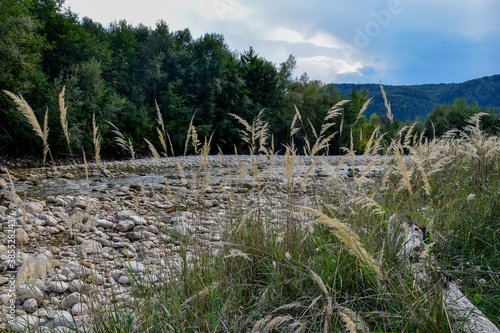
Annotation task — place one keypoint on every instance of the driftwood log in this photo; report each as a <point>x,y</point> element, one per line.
<point>464,316</point>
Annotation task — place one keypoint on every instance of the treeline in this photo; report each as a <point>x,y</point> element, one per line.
<point>121,74</point>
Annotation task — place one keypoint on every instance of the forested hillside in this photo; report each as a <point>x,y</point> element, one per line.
<point>125,76</point>
<point>417,101</point>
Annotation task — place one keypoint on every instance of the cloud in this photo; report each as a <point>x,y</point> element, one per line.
<point>327,68</point>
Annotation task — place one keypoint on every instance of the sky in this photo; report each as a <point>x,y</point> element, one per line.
<point>400,42</point>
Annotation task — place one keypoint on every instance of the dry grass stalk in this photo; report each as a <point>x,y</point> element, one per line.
<point>181,170</point>
<point>96,137</point>
<point>120,141</point>
<point>349,237</point>
<point>363,109</point>
<point>27,111</point>
<point>163,132</point>
<point>258,132</point>
<point>153,150</point>
<point>64,121</point>
<point>353,321</point>
<point>389,114</point>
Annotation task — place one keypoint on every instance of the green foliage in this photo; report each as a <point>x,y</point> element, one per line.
<point>453,116</point>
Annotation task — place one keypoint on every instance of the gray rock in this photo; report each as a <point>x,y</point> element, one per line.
<point>58,286</point>
<point>21,237</point>
<point>79,286</point>
<point>91,246</point>
<point>30,305</point>
<point>182,231</point>
<point>124,215</point>
<point>137,220</point>
<point>135,266</point>
<point>3,184</point>
<point>124,225</point>
<point>70,300</point>
<point>80,309</point>
<point>50,221</point>
<point>24,323</point>
<point>132,235</point>
<point>34,208</point>
<point>104,223</point>
<point>27,291</point>
<point>61,318</point>
<point>124,280</point>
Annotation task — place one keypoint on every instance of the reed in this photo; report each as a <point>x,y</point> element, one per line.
<point>27,112</point>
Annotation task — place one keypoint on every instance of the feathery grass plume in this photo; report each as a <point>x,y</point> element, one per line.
<point>27,111</point>
<point>33,269</point>
<point>237,253</point>
<point>258,131</point>
<point>403,171</point>
<point>353,321</point>
<point>336,110</point>
<point>425,253</point>
<point>96,137</point>
<point>162,141</point>
<point>85,166</point>
<point>277,322</point>
<point>191,131</point>
<point>181,170</point>
<point>389,114</point>
<point>372,147</point>
<point>153,150</point>
<point>363,109</point>
<point>329,307</point>
<point>64,121</point>
<point>120,141</point>
<point>349,237</point>
<point>163,132</point>
<point>369,203</point>
<point>260,324</point>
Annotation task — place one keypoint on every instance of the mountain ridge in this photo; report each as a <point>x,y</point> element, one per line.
<point>410,102</point>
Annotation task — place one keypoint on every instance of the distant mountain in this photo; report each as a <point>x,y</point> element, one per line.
<point>417,101</point>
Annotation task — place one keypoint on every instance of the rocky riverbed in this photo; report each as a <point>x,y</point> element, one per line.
<point>77,237</point>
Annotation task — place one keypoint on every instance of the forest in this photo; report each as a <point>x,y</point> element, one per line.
<point>123,75</point>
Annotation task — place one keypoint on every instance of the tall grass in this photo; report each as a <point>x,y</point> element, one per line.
<point>323,256</point>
